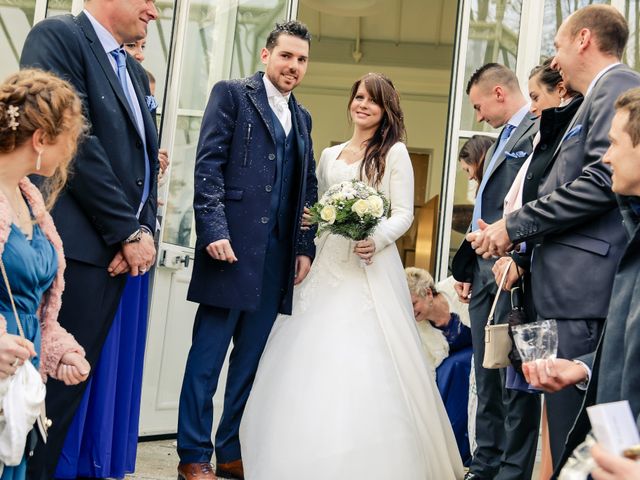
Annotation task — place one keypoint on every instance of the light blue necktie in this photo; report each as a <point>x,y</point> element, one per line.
<point>477,208</point>
<point>121,63</point>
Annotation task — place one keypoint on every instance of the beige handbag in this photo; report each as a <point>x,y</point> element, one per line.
<point>497,343</point>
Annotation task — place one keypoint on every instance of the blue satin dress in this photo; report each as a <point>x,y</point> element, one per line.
<point>31,267</point>
<point>102,441</point>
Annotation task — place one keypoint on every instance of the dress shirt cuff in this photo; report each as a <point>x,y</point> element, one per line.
<point>585,383</point>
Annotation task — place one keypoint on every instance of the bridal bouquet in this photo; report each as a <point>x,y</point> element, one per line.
<point>351,209</point>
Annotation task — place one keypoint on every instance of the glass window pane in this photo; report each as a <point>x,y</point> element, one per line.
<point>632,54</point>
<point>555,11</point>
<point>58,7</point>
<point>493,37</point>
<point>463,200</point>
<point>15,23</point>
<point>179,212</point>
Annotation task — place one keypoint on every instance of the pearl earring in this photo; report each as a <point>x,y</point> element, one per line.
<point>39,161</point>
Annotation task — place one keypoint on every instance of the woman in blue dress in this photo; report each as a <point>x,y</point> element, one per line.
<point>40,123</point>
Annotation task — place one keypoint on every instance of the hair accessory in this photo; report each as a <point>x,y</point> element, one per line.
<point>13,113</point>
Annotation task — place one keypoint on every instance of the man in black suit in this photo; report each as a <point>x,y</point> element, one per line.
<point>575,227</point>
<point>107,213</point>
<point>506,420</point>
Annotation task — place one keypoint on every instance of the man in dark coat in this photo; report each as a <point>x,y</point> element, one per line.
<point>107,213</point>
<point>254,174</point>
<point>614,368</point>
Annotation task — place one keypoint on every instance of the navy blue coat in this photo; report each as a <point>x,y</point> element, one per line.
<point>97,210</point>
<point>234,174</point>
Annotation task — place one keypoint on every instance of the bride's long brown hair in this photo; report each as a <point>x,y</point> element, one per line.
<point>390,130</point>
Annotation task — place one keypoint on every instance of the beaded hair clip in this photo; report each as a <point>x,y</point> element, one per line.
<point>13,114</point>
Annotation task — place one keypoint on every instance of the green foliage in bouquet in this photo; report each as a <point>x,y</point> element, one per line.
<point>351,209</point>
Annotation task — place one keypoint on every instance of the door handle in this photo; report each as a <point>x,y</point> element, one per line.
<point>174,261</point>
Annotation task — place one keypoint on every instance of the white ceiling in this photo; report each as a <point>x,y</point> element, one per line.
<point>411,21</point>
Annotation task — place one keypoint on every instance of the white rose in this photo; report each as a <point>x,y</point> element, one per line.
<point>376,205</point>
<point>360,207</point>
<point>328,214</point>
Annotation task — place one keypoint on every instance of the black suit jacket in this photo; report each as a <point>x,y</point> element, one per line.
<point>234,174</point>
<point>576,221</point>
<point>98,208</point>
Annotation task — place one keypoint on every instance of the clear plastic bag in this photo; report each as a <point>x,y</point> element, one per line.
<point>536,340</point>
<point>580,464</point>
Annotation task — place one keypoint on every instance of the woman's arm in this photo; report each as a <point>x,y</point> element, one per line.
<point>400,195</point>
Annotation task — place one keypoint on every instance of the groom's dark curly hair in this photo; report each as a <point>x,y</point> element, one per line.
<point>293,28</point>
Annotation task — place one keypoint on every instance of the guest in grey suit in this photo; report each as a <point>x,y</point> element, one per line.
<point>575,226</point>
<point>506,420</point>
<point>615,374</point>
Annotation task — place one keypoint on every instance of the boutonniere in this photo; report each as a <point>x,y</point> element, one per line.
<point>573,132</point>
<point>518,154</point>
<point>152,104</point>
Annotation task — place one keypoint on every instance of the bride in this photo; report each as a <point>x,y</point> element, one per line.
<point>343,390</point>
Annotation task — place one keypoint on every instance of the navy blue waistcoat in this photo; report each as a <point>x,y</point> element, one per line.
<point>283,196</point>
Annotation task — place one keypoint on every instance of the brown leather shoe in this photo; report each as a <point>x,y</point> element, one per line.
<point>196,471</point>
<point>232,470</point>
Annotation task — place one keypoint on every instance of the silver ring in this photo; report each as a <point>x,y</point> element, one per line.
<point>15,362</point>
<point>143,270</point>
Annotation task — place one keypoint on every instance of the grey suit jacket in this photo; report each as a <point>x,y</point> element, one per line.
<point>575,224</point>
<point>615,373</point>
<point>501,177</point>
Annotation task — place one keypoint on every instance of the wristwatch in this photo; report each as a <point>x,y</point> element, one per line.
<point>134,237</point>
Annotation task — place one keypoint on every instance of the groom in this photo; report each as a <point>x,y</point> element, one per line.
<point>254,173</point>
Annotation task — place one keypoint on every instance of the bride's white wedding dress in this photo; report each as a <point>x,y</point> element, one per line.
<point>344,390</point>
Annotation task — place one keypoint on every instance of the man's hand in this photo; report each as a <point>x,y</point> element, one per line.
<point>163,160</point>
<point>512,276</point>
<point>305,222</point>
<point>303,265</point>
<point>118,265</point>
<point>365,250</point>
<point>14,351</point>
<point>552,375</point>
<point>613,467</point>
<point>463,289</point>
<point>73,369</point>
<point>490,240</point>
<point>139,255</point>
<point>221,250</point>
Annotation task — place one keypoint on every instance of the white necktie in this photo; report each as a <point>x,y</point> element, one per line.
<point>283,113</point>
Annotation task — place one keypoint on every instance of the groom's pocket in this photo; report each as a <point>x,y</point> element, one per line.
<point>233,194</point>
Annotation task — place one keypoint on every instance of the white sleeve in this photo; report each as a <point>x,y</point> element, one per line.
<point>400,196</point>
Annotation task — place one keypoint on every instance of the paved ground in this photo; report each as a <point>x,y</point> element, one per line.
<point>158,461</point>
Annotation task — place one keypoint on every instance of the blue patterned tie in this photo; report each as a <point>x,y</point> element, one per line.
<point>477,208</point>
<point>120,57</point>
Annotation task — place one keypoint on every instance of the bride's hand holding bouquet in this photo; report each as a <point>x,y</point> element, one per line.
<point>351,209</point>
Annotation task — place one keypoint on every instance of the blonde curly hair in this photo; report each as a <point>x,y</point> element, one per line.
<point>33,100</point>
<point>420,281</point>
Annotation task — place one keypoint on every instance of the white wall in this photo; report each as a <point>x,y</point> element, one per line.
<point>424,100</point>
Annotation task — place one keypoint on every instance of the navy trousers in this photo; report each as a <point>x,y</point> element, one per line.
<point>213,331</point>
